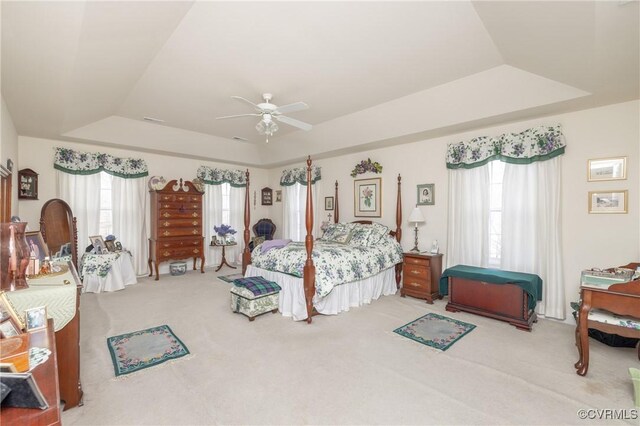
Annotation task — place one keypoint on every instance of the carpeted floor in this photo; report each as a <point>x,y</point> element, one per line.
<point>345,369</point>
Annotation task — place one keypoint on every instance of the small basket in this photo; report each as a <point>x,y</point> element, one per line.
<point>177,268</point>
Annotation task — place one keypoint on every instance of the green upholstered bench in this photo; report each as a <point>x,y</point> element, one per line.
<point>245,302</point>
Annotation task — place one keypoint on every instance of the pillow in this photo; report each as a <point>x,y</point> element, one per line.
<point>360,235</point>
<point>368,235</point>
<point>379,232</point>
<point>258,240</point>
<point>337,233</point>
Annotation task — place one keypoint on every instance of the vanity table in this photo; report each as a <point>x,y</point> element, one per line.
<point>61,294</point>
<point>621,299</point>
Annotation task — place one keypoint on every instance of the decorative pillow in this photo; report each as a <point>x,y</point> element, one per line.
<point>360,235</point>
<point>379,232</point>
<point>337,233</point>
<point>258,240</point>
<point>367,235</point>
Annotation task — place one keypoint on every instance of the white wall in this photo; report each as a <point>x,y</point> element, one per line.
<point>588,240</point>
<point>9,150</point>
<point>38,154</point>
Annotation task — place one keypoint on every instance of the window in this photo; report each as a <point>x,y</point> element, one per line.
<point>496,173</point>
<point>226,203</point>
<point>106,210</point>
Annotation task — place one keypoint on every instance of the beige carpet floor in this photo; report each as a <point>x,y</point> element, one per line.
<point>345,369</point>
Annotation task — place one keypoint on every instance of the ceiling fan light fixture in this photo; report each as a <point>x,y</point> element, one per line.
<point>267,126</point>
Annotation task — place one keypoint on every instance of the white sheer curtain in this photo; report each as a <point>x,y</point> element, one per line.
<point>531,228</point>
<point>468,230</point>
<point>236,214</point>
<point>213,216</point>
<point>294,199</point>
<point>82,193</point>
<point>129,197</point>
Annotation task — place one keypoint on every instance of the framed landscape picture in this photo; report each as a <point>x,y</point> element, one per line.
<point>608,201</point>
<point>607,169</point>
<point>368,197</point>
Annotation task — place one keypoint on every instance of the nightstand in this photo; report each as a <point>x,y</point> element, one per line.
<point>421,276</point>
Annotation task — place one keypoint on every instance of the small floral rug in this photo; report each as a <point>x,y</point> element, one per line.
<point>229,278</point>
<point>435,330</point>
<point>143,349</point>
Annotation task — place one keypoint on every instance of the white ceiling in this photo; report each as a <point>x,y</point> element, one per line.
<point>373,74</point>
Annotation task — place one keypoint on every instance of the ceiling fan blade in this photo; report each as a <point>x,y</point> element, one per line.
<point>292,122</point>
<point>298,106</point>
<point>247,101</point>
<point>239,115</point>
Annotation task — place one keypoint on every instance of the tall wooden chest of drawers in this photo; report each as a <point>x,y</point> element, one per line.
<point>421,276</point>
<point>176,225</point>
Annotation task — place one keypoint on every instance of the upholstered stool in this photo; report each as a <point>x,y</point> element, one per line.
<point>244,301</point>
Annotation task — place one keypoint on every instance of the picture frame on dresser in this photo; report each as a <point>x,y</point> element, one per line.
<point>7,308</point>
<point>8,329</point>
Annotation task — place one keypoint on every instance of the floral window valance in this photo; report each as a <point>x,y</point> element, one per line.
<point>535,144</point>
<point>88,163</point>
<point>299,175</point>
<point>213,176</point>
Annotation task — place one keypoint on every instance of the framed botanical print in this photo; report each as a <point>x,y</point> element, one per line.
<point>367,194</point>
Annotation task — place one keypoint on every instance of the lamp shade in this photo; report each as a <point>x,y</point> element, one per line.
<point>416,216</point>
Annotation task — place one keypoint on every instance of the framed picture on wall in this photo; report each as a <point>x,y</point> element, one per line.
<point>267,197</point>
<point>608,201</point>
<point>607,169</point>
<point>27,184</point>
<point>328,203</point>
<point>426,194</point>
<point>367,197</point>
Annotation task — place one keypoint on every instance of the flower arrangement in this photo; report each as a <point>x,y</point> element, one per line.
<point>366,166</point>
<point>224,230</point>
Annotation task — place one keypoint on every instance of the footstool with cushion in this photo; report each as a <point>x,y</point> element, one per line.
<point>253,296</point>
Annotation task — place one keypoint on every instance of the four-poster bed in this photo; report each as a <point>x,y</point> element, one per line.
<point>376,268</point>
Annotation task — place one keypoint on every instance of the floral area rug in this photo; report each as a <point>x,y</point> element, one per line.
<point>143,349</point>
<point>435,330</point>
<point>229,278</point>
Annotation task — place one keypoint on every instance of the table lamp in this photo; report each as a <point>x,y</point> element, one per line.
<point>416,218</point>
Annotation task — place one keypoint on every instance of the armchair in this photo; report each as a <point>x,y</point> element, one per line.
<point>264,229</point>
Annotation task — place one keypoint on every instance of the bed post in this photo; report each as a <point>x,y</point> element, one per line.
<point>399,228</point>
<point>336,209</point>
<point>309,270</point>
<point>246,254</point>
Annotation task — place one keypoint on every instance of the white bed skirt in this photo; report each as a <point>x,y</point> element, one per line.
<point>341,298</point>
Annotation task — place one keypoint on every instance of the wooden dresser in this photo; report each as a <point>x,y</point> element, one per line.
<point>421,275</point>
<point>176,225</point>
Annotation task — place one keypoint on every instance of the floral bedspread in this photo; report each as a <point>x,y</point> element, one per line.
<point>335,263</point>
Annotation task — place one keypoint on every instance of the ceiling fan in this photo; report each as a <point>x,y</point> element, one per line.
<point>268,112</point>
